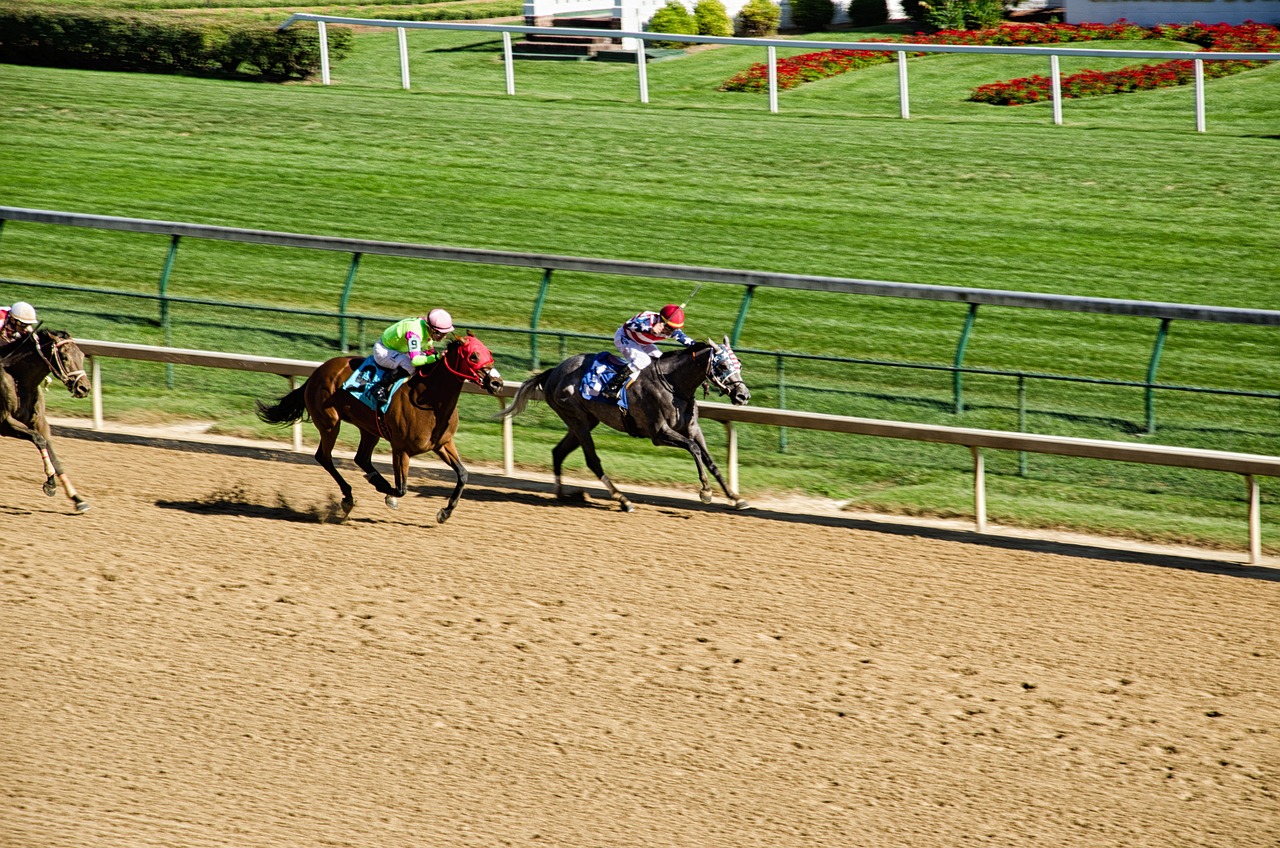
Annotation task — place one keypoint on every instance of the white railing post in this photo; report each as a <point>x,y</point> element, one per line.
<point>324,52</point>
<point>508,63</point>
<point>1255,520</point>
<point>731,436</point>
<point>642,71</point>
<point>508,443</point>
<point>773,79</point>
<point>297,425</point>
<point>404,58</point>
<point>904,105</point>
<point>979,489</point>
<point>1199,69</point>
<point>96,378</point>
<point>1055,75</point>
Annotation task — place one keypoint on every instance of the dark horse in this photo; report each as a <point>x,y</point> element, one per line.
<point>661,408</point>
<point>423,416</point>
<point>24,364</point>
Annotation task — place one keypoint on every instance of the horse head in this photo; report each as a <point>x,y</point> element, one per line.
<point>65,360</point>
<point>725,373</point>
<point>469,359</point>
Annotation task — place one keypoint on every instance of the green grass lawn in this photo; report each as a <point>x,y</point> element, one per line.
<point>1124,200</point>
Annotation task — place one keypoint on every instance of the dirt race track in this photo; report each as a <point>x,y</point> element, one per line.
<point>198,662</point>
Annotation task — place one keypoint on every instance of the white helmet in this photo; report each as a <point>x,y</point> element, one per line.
<point>24,312</point>
<point>440,321</point>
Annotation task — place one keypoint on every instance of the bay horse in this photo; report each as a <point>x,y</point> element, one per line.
<point>422,416</point>
<point>24,364</point>
<point>661,408</point>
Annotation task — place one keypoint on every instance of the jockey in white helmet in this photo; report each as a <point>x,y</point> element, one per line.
<point>17,321</point>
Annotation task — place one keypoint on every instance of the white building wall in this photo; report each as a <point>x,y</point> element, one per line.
<point>1152,12</point>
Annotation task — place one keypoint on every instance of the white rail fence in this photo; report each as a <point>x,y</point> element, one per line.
<point>770,45</point>
<point>1249,466</point>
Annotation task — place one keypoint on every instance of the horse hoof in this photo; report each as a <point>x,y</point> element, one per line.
<point>443,515</point>
<point>626,505</point>
<point>341,511</point>
<point>81,505</point>
<point>50,487</point>
<point>393,502</point>
<point>741,504</point>
<point>705,496</point>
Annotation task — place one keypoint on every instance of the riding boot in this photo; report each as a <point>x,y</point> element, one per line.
<point>626,384</point>
<point>614,386</point>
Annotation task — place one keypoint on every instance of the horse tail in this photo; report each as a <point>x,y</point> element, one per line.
<point>521,400</point>
<point>290,408</point>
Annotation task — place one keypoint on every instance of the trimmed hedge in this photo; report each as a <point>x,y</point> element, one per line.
<point>105,41</point>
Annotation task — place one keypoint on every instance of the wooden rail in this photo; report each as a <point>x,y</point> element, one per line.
<point>1250,466</point>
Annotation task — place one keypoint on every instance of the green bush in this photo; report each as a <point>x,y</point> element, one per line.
<point>812,15</point>
<point>868,12</point>
<point>955,14</point>
<point>757,19</point>
<point>712,19</point>
<point>120,42</point>
<point>673,18</point>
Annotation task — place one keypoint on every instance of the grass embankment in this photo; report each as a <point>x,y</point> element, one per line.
<point>1126,201</point>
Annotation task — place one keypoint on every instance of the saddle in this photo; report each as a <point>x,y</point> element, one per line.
<point>365,379</point>
<point>604,378</point>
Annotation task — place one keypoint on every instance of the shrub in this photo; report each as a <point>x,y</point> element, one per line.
<point>712,19</point>
<point>757,19</point>
<point>812,15</point>
<point>673,18</point>
<point>868,12</point>
<point>123,42</point>
<point>962,14</point>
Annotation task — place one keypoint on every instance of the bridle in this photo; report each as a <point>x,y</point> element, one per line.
<point>55,359</point>
<point>724,371</point>
<point>457,351</point>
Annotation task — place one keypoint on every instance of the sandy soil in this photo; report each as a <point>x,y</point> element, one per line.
<point>198,662</point>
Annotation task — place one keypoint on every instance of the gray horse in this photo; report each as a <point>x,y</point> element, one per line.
<point>661,408</point>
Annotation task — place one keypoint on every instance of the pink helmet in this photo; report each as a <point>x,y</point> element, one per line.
<point>672,316</point>
<point>440,321</point>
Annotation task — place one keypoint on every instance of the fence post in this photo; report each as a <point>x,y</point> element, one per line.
<point>1055,76</point>
<point>782,401</point>
<point>904,105</point>
<point>1199,74</point>
<point>957,376</point>
<point>773,78</point>
<point>297,425</point>
<point>731,438</point>
<point>1151,374</point>
<point>95,377</point>
<point>324,52</point>
<point>1255,520</point>
<point>979,489</point>
<point>508,63</point>
<point>508,443</point>
<point>537,316</point>
<point>1022,421</point>
<point>165,321</point>
<point>404,58</point>
<point>642,70</point>
<point>342,303</point>
<point>742,316</point>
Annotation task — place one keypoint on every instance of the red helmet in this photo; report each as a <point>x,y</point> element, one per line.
<point>672,316</point>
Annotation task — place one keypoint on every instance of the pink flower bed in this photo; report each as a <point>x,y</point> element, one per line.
<point>1249,37</point>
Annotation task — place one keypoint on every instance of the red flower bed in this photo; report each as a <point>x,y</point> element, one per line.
<point>1249,37</point>
<point>1246,38</point>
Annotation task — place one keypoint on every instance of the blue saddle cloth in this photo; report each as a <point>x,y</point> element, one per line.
<point>598,375</point>
<point>364,378</point>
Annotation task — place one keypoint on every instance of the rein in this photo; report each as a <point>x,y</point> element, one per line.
<point>55,363</point>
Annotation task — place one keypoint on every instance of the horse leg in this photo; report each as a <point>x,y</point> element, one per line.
<point>449,453</point>
<point>696,433</point>
<point>593,462</point>
<point>566,446</point>
<point>52,461</point>
<point>400,471</point>
<point>21,430</point>
<point>364,460</point>
<point>328,431</point>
